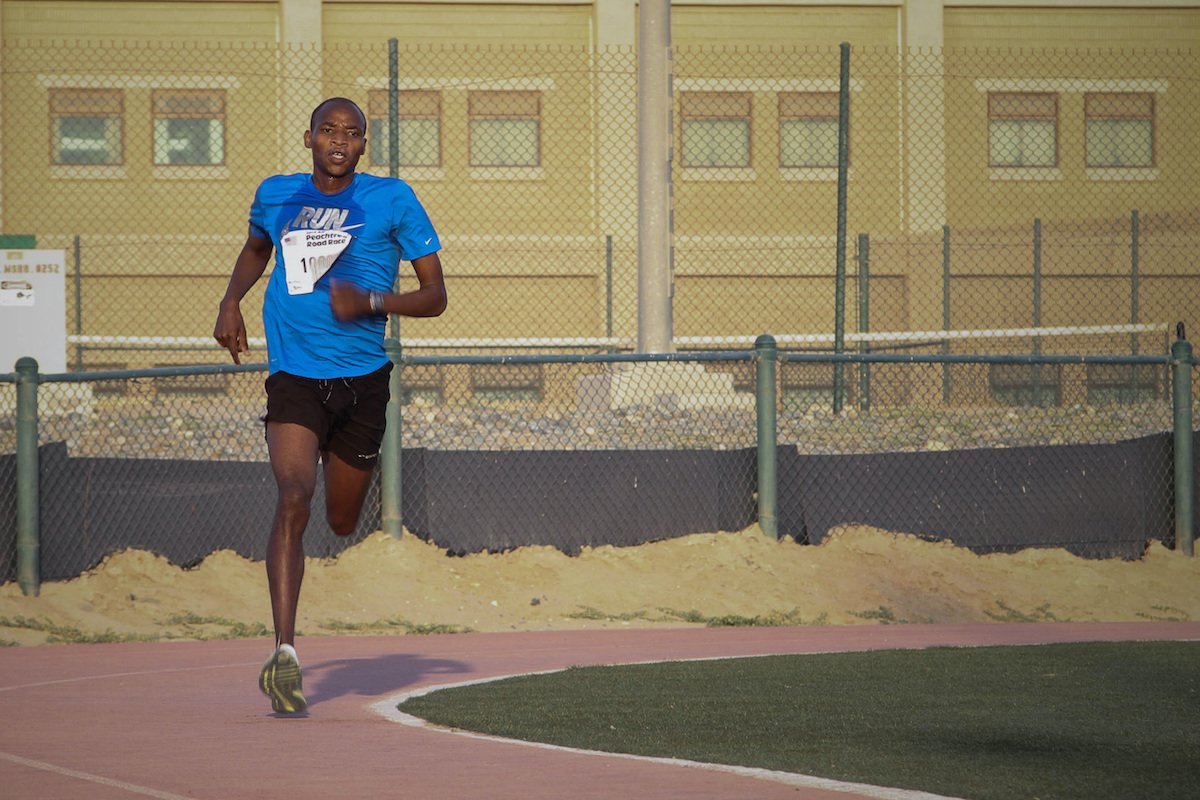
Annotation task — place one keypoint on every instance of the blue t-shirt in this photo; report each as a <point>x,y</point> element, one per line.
<point>387,224</point>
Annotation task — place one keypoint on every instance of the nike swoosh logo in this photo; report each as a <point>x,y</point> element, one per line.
<point>430,239</point>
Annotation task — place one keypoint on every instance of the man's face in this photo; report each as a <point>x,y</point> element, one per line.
<point>337,140</point>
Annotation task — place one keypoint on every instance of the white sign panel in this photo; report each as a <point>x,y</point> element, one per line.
<point>16,293</point>
<point>33,309</point>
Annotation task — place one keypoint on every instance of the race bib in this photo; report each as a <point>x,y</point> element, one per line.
<point>308,254</point>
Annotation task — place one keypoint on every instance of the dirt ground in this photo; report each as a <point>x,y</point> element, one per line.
<point>384,585</point>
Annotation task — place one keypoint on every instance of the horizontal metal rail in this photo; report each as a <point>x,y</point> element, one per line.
<point>782,339</point>
<point>625,358</point>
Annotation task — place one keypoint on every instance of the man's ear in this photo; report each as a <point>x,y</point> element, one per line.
<point>308,140</point>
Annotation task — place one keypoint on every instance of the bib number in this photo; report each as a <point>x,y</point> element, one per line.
<point>307,255</point>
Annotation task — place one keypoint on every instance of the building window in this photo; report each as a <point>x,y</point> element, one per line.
<point>507,383</point>
<point>1023,129</point>
<point>1110,384</point>
<point>505,128</point>
<point>715,129</point>
<point>808,129</point>
<point>1120,129</point>
<point>802,386</point>
<point>189,127</point>
<point>85,126</point>
<point>419,132</point>
<point>1026,384</point>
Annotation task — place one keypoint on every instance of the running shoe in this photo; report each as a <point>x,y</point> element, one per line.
<point>280,681</point>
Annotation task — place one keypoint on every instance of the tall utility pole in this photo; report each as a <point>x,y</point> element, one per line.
<point>656,267</point>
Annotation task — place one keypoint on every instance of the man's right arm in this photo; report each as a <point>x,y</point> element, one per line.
<point>230,330</point>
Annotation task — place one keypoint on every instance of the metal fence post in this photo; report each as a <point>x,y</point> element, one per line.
<point>1037,310</point>
<point>1134,299</point>
<point>390,493</point>
<point>839,312</point>
<point>864,319</point>
<point>946,311</point>
<point>1134,277</point>
<point>608,286</point>
<point>1181,355</point>
<point>28,536</point>
<point>765,358</point>
<point>78,282</point>
<point>393,108</point>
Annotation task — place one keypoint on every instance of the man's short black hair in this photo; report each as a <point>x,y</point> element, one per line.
<point>312,120</point>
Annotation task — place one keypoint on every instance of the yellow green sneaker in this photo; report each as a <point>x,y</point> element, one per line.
<point>280,681</point>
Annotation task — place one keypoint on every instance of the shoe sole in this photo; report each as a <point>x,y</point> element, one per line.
<point>280,680</point>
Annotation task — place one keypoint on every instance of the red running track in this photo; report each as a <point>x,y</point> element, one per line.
<point>186,719</point>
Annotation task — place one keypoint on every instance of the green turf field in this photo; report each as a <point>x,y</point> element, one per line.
<point>1093,720</point>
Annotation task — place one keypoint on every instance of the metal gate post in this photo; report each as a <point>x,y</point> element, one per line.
<point>28,535</point>
<point>390,493</point>
<point>765,357</point>
<point>1181,354</point>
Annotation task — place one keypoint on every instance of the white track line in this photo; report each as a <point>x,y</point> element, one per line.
<point>387,708</point>
<point>80,678</point>
<point>145,791</point>
<point>133,788</point>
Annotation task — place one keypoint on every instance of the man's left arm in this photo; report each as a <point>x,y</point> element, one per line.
<point>428,300</point>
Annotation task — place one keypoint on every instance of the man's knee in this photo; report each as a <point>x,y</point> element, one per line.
<point>294,501</point>
<point>294,494</point>
<point>342,521</point>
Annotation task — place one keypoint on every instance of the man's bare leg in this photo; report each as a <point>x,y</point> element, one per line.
<point>293,452</point>
<point>345,492</point>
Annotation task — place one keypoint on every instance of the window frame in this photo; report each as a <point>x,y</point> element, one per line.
<point>1026,385</point>
<point>222,116</point>
<point>993,117</point>
<point>1122,384</point>
<point>380,96</point>
<point>110,99</point>
<point>685,100</point>
<point>483,97</point>
<point>784,96</point>
<point>1152,117</point>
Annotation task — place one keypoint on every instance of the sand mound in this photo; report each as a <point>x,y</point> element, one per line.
<point>858,575</point>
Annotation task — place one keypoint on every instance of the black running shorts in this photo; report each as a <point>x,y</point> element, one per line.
<point>348,415</point>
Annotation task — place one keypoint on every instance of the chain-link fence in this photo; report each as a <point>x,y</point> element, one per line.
<point>991,189</point>
<point>571,451</point>
<point>1036,205</point>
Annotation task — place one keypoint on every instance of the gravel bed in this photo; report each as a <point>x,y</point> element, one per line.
<point>215,428</point>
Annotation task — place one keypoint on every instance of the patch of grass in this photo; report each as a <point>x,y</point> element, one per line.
<point>189,618</point>
<point>244,630</point>
<point>773,620</point>
<point>1165,614</point>
<point>9,643</point>
<point>739,621</point>
<point>1009,614</point>
<point>421,629</point>
<point>883,615</point>
<point>694,617</point>
<point>233,628</point>
<point>64,634</point>
<point>1094,721</point>
<point>691,615</point>
<point>587,612</point>
<point>392,625</point>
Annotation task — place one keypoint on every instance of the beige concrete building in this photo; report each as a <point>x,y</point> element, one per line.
<point>1011,163</point>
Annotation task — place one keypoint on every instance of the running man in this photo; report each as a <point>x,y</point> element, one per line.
<point>338,238</point>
